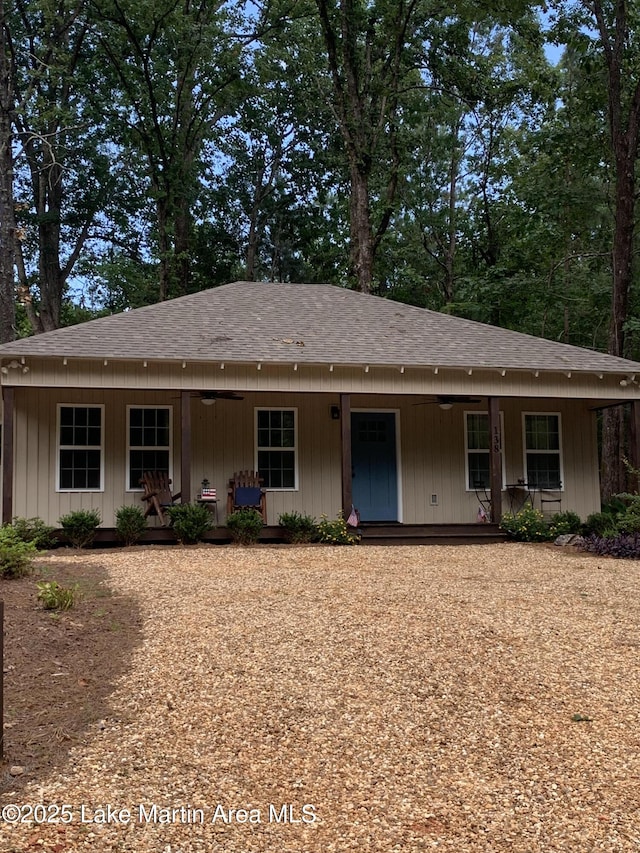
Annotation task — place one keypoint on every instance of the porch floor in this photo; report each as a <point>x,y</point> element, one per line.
<point>372,534</point>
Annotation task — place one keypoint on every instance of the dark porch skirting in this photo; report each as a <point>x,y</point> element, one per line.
<point>372,534</point>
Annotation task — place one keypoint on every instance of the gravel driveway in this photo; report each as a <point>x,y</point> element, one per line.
<point>315,699</point>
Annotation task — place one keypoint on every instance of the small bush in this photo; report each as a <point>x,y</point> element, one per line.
<point>564,522</point>
<point>528,525</point>
<point>56,597</point>
<point>80,526</point>
<point>190,522</point>
<point>600,524</point>
<point>298,528</point>
<point>245,526</point>
<point>15,554</point>
<point>36,531</point>
<point>336,532</point>
<point>130,524</point>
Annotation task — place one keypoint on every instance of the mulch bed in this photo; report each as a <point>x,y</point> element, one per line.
<point>303,699</point>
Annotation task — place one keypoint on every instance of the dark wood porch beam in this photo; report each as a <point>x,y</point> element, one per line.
<point>185,446</point>
<point>8,408</point>
<point>345,444</point>
<point>495,459</point>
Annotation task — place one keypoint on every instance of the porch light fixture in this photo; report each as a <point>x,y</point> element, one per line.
<point>445,406</point>
<point>14,365</point>
<point>207,401</point>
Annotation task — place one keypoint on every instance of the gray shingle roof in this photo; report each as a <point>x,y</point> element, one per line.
<point>308,324</point>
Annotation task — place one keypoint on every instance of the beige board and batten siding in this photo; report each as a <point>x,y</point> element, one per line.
<point>36,438</point>
<point>432,454</point>
<point>224,441</point>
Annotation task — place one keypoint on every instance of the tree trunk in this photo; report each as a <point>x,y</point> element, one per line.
<point>362,247</point>
<point>624,124</point>
<point>7,217</point>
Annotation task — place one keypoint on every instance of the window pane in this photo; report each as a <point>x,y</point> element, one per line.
<point>79,469</point>
<point>478,432</point>
<point>80,429</point>
<point>146,460</point>
<point>479,471</point>
<point>277,468</point>
<point>542,432</point>
<point>543,470</point>
<point>66,435</point>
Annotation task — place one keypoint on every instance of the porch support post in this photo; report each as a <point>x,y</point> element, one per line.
<point>8,396</point>
<point>185,446</point>
<point>495,459</point>
<point>635,442</point>
<point>345,439</point>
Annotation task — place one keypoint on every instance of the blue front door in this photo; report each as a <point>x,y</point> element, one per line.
<point>373,457</point>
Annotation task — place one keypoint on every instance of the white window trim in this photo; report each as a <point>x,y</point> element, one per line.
<point>559,451</point>
<point>467,451</point>
<point>130,447</point>
<point>60,447</point>
<point>294,409</point>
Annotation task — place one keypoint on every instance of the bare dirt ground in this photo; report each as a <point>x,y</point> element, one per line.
<point>303,699</point>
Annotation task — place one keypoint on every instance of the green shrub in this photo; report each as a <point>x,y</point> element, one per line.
<point>298,527</point>
<point>56,597</point>
<point>600,524</point>
<point>564,522</point>
<point>15,554</point>
<point>190,522</point>
<point>336,532</point>
<point>245,526</point>
<point>130,524</point>
<point>528,525</point>
<point>80,526</point>
<point>36,531</point>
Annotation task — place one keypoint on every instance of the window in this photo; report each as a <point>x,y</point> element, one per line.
<point>79,448</point>
<point>149,447</point>
<point>543,460</point>
<point>276,449</point>
<point>476,430</point>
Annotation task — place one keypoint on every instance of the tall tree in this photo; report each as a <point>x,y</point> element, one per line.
<point>61,177</point>
<point>608,31</point>
<point>368,55</point>
<point>174,63</point>
<point>7,223</point>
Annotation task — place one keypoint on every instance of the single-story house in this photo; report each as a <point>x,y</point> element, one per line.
<point>337,398</point>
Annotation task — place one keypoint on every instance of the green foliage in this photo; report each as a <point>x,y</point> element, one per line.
<point>528,525</point>
<point>245,526</point>
<point>190,521</point>
<point>620,515</point>
<point>336,532</point>
<point>298,527</point>
<point>36,531</point>
<point>80,526</point>
<point>15,553</point>
<point>56,597</point>
<point>600,524</point>
<point>563,523</point>
<point>130,524</point>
